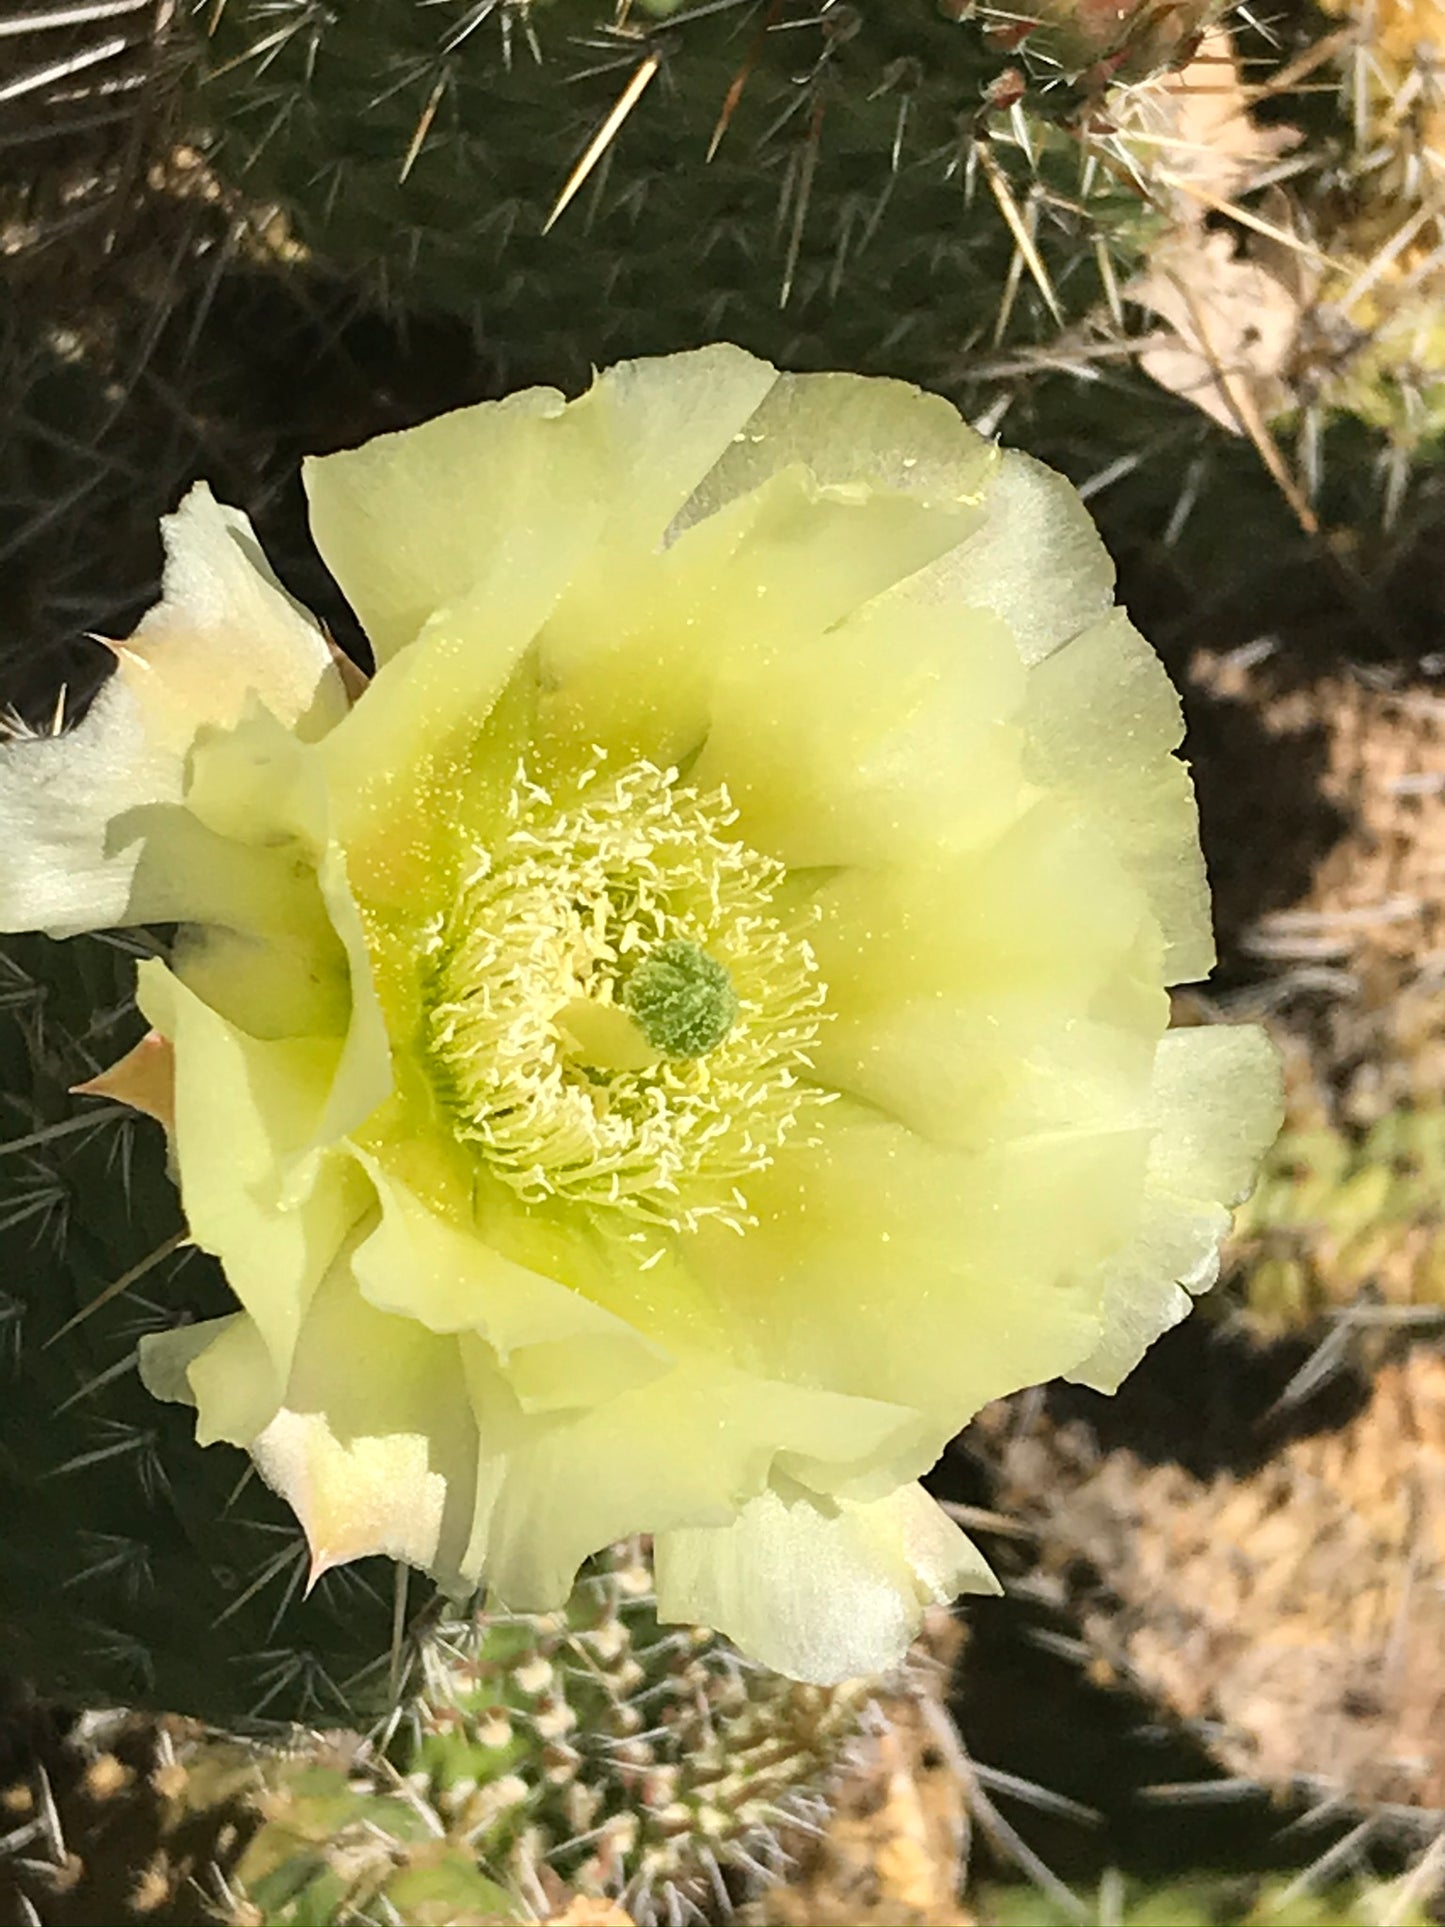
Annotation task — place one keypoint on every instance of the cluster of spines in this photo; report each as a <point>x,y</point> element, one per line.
<point>588,1751</point>
<point>647,1764</point>
<point>1374,345</point>
<point>333,1847</point>
<point>149,1821</point>
<point>1324,446</point>
<point>855,187</point>
<point>179,1576</point>
<point>78,70</point>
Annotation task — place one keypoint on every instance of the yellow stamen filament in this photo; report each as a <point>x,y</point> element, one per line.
<point>547,1046</point>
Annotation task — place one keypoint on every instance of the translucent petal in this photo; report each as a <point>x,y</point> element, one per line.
<point>1037,560</point>
<point>236,1385</point>
<point>901,1271</point>
<point>668,421</point>
<point>226,631</point>
<point>285,954</point>
<point>557,1347</point>
<point>1004,1066</point>
<point>403,755</point>
<point>374,1447</point>
<point>890,735</point>
<point>994,994</point>
<point>820,1594</point>
<point>362,1078</point>
<point>270,985</point>
<point>239,863</point>
<point>221,1367</point>
<point>639,1279</point>
<point>413,522</point>
<point>166,1357</point>
<point>821,493</point>
<point>1046,909</point>
<point>1102,720</point>
<point>58,798</point>
<point>417,522</point>
<point>631,664</point>
<point>1217,1108</point>
<point>781,538</point>
<point>246,1112</point>
<point>1032,557</point>
<point>258,784</point>
<point>689,1447</point>
<point>849,430</point>
<point>74,805</point>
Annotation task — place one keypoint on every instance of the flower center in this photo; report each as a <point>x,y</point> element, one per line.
<point>621,1011</point>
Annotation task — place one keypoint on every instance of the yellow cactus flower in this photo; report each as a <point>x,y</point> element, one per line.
<point>694,1029</point>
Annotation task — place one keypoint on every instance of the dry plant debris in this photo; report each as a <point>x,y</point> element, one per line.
<point>1322,299</point>
<point>1296,1614</point>
<point>1375,897</point>
<point>1231,320</point>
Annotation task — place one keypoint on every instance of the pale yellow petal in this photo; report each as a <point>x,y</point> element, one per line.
<point>852,430</point>
<point>889,735</point>
<point>258,784</point>
<point>405,753</point>
<point>225,632</point>
<point>906,1272</point>
<point>273,982</point>
<point>690,1446</point>
<point>413,522</point>
<point>100,836</point>
<point>362,1078</point>
<point>355,1495</point>
<point>556,1346</point>
<point>165,1358</point>
<point>76,807</point>
<point>238,866</point>
<point>418,521</point>
<point>1033,556</point>
<point>278,949</point>
<point>1216,1110</point>
<point>631,665</point>
<point>236,1385</point>
<point>667,421</point>
<point>246,1112</point>
<point>373,1447</point>
<point>1218,1091</point>
<point>1046,909</point>
<point>998,993</point>
<point>1102,719</point>
<point>812,494</point>
<point>999,1067</point>
<point>223,1368</point>
<point>1037,560</point>
<point>819,1593</point>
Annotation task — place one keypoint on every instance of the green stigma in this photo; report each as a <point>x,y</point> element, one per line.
<point>681,999</point>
